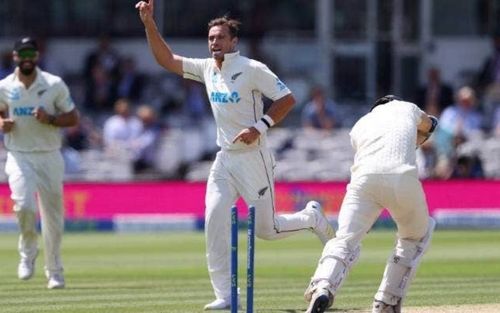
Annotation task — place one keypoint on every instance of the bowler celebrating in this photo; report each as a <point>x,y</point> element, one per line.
<point>244,165</point>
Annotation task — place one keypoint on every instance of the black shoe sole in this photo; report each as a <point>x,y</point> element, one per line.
<point>320,304</point>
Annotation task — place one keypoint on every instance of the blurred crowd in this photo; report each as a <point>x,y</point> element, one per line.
<point>469,129</point>
<point>131,114</point>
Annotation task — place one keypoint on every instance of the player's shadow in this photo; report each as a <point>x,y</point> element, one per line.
<point>303,310</point>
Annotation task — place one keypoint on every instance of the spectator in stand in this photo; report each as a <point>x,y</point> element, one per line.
<point>47,61</point>
<point>462,118</point>
<point>100,90</point>
<point>83,136</point>
<point>122,128</point>
<point>468,166</point>
<point>130,82</point>
<point>488,81</point>
<point>496,123</point>
<point>6,64</point>
<point>76,139</point>
<point>101,74</point>
<point>436,95</point>
<point>196,106</point>
<point>458,123</point>
<point>490,71</point>
<point>104,55</point>
<point>320,112</point>
<point>145,144</point>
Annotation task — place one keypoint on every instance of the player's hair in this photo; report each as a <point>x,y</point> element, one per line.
<point>384,100</point>
<point>231,23</point>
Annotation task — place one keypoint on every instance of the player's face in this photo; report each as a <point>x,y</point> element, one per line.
<point>26,60</point>
<point>220,41</point>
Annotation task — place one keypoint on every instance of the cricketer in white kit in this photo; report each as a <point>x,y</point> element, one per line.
<point>384,175</point>
<point>34,105</point>
<point>244,166</point>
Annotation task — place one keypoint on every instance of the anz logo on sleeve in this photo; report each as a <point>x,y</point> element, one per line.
<point>222,98</point>
<point>14,95</point>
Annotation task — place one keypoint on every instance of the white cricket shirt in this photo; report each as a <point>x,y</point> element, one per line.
<point>28,134</point>
<point>235,94</point>
<point>385,139</point>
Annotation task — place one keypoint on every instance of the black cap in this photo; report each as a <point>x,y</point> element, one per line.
<point>25,43</point>
<point>384,100</point>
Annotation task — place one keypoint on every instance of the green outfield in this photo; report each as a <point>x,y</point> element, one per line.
<point>165,272</point>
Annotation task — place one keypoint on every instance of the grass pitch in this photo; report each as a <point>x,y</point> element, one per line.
<point>166,272</point>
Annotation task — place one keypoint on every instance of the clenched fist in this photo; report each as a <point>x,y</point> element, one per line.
<point>6,124</point>
<point>146,10</point>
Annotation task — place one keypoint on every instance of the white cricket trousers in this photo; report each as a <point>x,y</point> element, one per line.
<point>248,174</point>
<point>32,173</point>
<point>366,196</point>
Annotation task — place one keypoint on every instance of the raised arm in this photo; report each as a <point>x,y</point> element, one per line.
<point>161,51</point>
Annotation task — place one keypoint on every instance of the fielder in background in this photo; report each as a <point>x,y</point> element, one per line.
<point>34,105</point>
<point>244,165</point>
<point>384,175</point>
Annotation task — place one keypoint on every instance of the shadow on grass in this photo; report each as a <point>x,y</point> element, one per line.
<point>351,310</point>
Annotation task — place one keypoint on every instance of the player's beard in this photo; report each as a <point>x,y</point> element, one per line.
<point>27,71</point>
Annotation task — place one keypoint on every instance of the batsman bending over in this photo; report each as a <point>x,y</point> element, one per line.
<point>244,166</point>
<point>384,175</point>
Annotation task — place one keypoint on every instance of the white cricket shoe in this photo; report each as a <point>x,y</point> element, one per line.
<point>56,281</point>
<point>26,268</point>
<point>315,285</point>
<point>382,307</point>
<point>221,304</point>
<point>322,228</point>
<point>321,300</point>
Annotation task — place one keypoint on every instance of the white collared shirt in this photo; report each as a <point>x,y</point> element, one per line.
<point>385,139</point>
<point>235,93</point>
<point>28,134</point>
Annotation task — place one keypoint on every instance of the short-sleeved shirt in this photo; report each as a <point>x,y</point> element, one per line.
<point>235,94</point>
<point>385,140</point>
<point>28,134</point>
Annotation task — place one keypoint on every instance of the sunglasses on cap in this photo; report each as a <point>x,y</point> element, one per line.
<point>27,54</point>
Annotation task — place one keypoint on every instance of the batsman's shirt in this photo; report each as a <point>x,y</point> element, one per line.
<point>28,134</point>
<point>385,140</point>
<point>235,93</point>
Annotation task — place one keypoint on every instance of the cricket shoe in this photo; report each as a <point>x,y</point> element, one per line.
<point>315,285</point>
<point>56,281</point>
<point>26,268</point>
<point>221,304</point>
<point>321,300</point>
<point>382,307</point>
<point>322,227</point>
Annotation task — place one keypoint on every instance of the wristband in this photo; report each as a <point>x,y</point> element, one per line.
<point>268,120</point>
<point>261,126</point>
<point>434,123</point>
